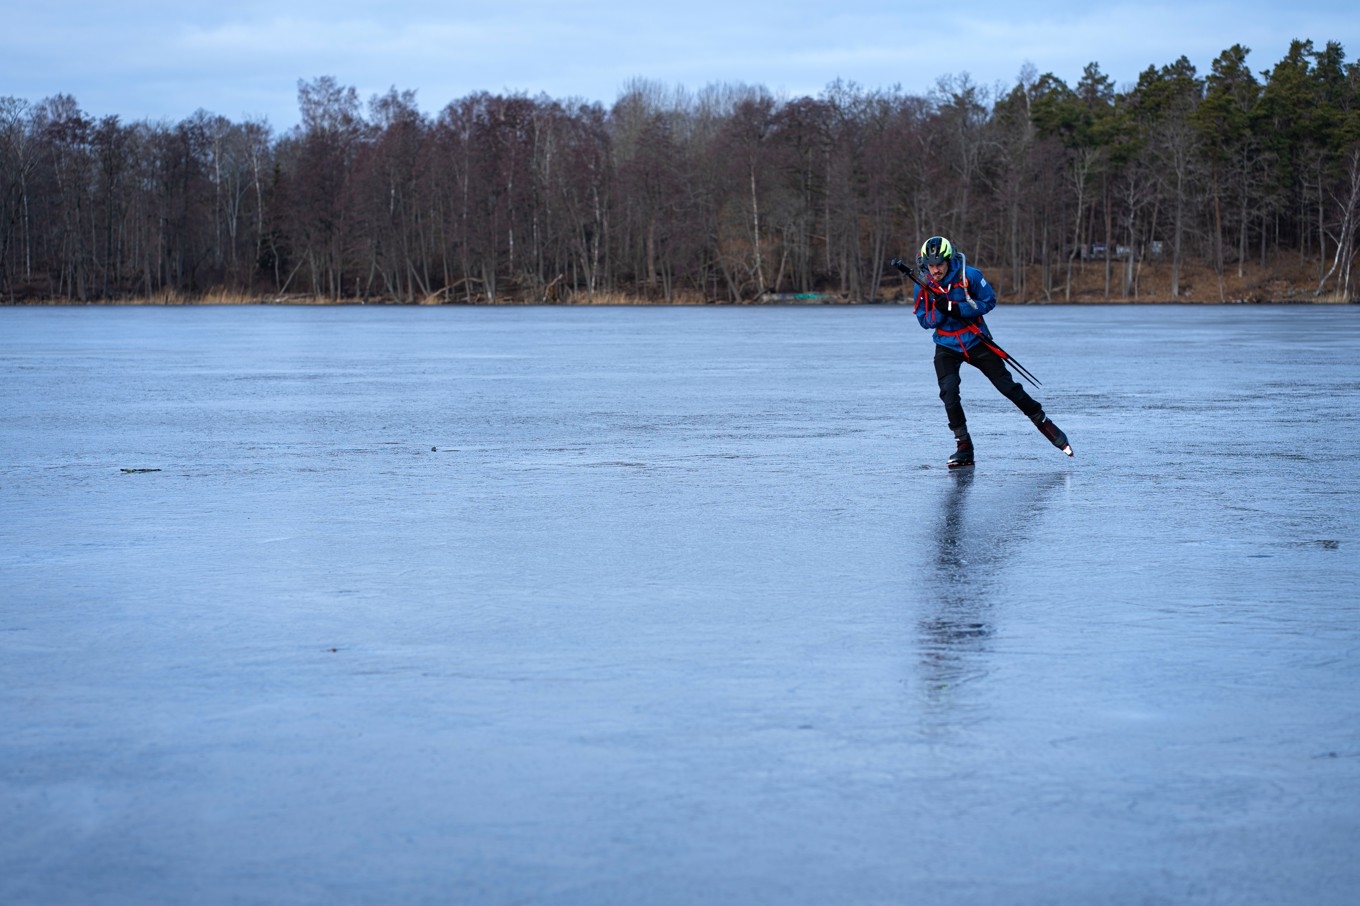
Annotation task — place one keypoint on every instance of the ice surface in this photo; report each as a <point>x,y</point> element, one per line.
<point>515,605</point>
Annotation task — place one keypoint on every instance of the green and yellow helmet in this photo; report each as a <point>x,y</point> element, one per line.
<point>936,250</point>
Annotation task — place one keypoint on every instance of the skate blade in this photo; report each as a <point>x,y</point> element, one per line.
<point>962,465</point>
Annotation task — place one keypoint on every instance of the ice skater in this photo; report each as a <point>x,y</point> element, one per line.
<point>951,299</point>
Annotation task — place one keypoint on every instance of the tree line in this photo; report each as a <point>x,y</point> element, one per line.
<point>724,194</point>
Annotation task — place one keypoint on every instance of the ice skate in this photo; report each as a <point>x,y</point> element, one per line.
<point>963,456</point>
<point>1054,434</point>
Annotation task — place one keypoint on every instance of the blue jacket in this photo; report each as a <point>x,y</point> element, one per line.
<point>970,297</point>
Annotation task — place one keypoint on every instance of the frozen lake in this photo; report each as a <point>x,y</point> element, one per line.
<point>658,605</point>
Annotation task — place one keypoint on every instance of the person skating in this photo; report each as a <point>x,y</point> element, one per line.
<point>951,302</point>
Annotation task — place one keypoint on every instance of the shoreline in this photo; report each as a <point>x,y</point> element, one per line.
<point>1198,285</point>
<point>622,302</point>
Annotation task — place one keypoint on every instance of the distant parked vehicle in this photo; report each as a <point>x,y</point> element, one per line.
<point>1097,250</point>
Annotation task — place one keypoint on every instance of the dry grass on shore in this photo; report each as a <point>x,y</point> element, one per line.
<point>1282,282</point>
<point>224,297</point>
<point>1291,281</point>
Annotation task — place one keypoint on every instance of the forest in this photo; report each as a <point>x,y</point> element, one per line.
<point>1233,185</point>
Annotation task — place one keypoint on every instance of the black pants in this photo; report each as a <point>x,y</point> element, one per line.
<point>947,365</point>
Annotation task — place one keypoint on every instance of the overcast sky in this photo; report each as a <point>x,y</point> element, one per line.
<point>165,59</point>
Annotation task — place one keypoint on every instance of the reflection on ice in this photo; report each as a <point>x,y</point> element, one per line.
<point>975,546</point>
<point>954,628</point>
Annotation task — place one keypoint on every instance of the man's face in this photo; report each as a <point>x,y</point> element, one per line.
<point>937,271</point>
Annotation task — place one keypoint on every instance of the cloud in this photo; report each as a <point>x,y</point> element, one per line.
<point>166,59</point>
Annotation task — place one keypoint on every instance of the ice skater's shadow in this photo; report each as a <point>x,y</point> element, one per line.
<point>975,545</point>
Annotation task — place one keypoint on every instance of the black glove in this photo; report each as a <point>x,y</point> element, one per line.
<point>949,309</point>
